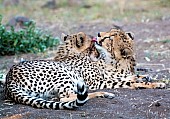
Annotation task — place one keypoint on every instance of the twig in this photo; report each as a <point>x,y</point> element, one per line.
<point>155,102</point>
<point>141,64</point>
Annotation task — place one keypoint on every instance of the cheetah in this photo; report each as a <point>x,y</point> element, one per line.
<point>39,83</point>
<point>117,46</point>
<point>113,67</point>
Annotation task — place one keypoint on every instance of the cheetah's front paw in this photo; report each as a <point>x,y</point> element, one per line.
<point>109,95</point>
<point>160,85</point>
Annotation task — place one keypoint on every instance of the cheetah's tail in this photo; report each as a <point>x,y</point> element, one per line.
<point>82,97</point>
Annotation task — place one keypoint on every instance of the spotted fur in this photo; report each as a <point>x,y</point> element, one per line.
<point>36,82</point>
<point>40,83</point>
<point>107,70</point>
<point>117,46</point>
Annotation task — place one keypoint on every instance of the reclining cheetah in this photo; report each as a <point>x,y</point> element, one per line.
<point>37,83</point>
<point>114,70</point>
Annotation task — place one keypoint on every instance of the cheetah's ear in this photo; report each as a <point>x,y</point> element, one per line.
<point>63,38</point>
<point>131,35</point>
<point>81,35</point>
<point>100,34</point>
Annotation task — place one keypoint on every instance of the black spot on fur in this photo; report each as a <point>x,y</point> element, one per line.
<point>62,85</point>
<point>141,88</point>
<point>122,71</point>
<point>65,82</point>
<point>109,81</point>
<point>121,85</point>
<point>128,83</point>
<point>51,105</point>
<point>114,84</point>
<point>65,38</point>
<point>100,84</point>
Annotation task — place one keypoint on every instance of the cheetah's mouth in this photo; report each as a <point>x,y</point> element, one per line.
<point>93,52</point>
<point>97,48</point>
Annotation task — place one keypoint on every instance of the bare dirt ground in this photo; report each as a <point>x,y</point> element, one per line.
<point>152,49</point>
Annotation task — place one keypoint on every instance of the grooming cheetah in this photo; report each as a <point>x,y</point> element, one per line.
<point>119,59</point>
<point>113,68</point>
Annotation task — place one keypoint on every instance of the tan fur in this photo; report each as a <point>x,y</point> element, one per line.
<point>120,47</point>
<point>118,72</point>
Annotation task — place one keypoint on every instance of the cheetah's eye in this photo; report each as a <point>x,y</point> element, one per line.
<point>102,40</point>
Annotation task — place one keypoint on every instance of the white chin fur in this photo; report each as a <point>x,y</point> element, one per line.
<point>107,57</point>
<point>93,58</point>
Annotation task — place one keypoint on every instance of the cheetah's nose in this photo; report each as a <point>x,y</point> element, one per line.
<point>94,39</point>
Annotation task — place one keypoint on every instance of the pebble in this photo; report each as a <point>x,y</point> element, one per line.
<point>147,59</point>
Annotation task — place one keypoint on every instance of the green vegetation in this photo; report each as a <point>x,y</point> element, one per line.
<point>165,3</point>
<point>166,41</point>
<point>29,39</point>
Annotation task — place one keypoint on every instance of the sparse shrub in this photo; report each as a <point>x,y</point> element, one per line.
<point>29,39</point>
<point>165,3</point>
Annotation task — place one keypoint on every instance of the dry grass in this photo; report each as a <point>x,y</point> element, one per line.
<point>67,13</point>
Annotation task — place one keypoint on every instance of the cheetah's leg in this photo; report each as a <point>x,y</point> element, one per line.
<point>142,82</point>
<point>143,85</point>
<point>101,94</point>
<point>90,96</point>
<point>134,82</point>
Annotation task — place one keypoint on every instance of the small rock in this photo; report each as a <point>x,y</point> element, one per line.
<point>20,21</point>
<point>157,104</point>
<point>50,5</point>
<point>147,59</point>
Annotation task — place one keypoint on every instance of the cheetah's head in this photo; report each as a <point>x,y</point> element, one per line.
<point>117,46</point>
<point>117,43</point>
<point>76,44</point>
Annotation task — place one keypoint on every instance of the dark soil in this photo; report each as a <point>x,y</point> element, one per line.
<point>128,104</point>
